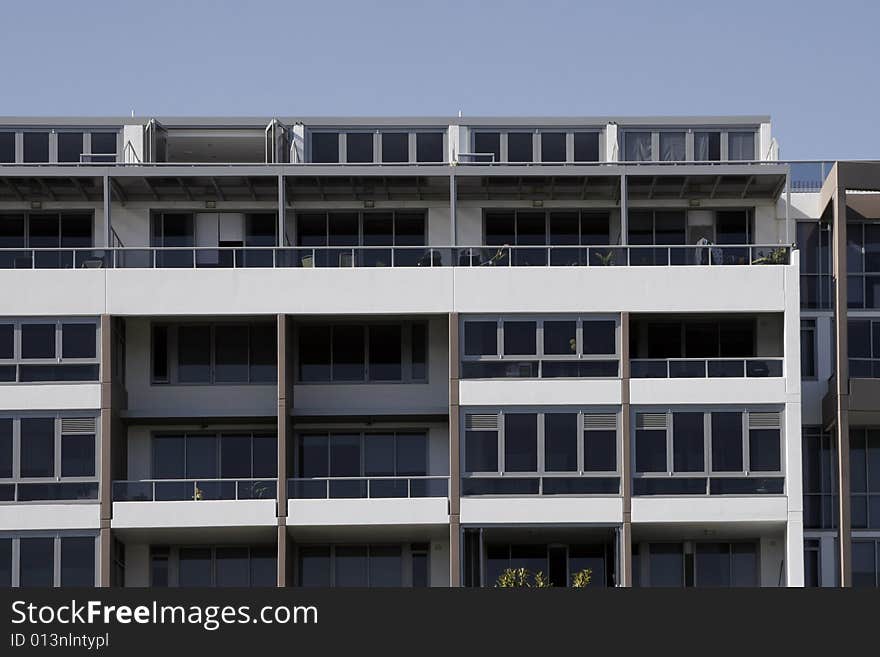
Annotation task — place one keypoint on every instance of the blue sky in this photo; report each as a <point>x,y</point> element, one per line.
<point>811,65</point>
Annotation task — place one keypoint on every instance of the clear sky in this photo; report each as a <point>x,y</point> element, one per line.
<point>813,66</point>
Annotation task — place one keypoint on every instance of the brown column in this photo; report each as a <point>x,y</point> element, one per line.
<point>105,486</point>
<point>625,545</point>
<point>454,456</point>
<point>841,378</point>
<point>283,423</point>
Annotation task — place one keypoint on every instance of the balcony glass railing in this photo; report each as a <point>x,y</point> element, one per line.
<point>324,488</point>
<point>864,368</point>
<point>701,368</point>
<point>398,256</point>
<point>62,491</point>
<point>544,484</point>
<point>181,490</point>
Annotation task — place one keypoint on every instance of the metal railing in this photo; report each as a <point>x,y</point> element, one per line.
<point>180,490</point>
<point>48,491</point>
<point>396,256</point>
<point>701,368</point>
<point>864,368</point>
<point>326,488</point>
<point>544,484</point>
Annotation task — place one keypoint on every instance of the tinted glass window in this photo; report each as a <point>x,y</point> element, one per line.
<point>7,341</point>
<point>201,457</point>
<point>36,562</point>
<point>160,353</point>
<point>586,147</point>
<point>314,353</point>
<point>345,455</point>
<point>732,227</point>
<point>599,337</point>
<point>36,146</point>
<point>480,338</point>
<point>429,147</point>
<point>351,566</point>
<point>264,570</point>
<point>231,350</point>
<point>500,228</point>
<point>560,337</point>
<point>713,564</point>
<point>265,456</point>
<point>741,146</point>
<point>313,455</point>
<point>5,448</point>
<point>707,146</point>
<point>650,450</point>
<point>104,143</point>
<point>11,231</point>
<point>420,577</point>
<point>235,456</point>
<point>37,447</point>
<point>78,340</point>
<point>764,450</point>
<point>311,229</point>
<point>419,351</point>
<point>325,147</point>
<point>412,455</point>
<point>666,565</point>
<point>744,565</point>
<point>521,442</point>
<point>169,456</point>
<point>38,340</point>
<point>600,451</point>
<point>194,567</point>
<point>7,147</point>
<point>78,455</point>
<point>687,442</point>
<point>520,338</point>
<point>70,146</point>
<point>487,144</point>
<point>232,566</point>
<point>727,444</point>
<point>348,353</point>
<point>395,147</point>
<point>379,455</point>
<point>159,567</point>
<point>76,230</point>
<point>519,147</point>
<point>385,352</point>
<point>560,442</point>
<point>314,567</point>
<point>263,352</point>
<point>672,146</point>
<point>481,451</point>
<point>194,354</point>
<point>385,566</point>
<point>359,147</point>
<point>638,146</point>
<point>864,567</point>
<point>553,147</point>
<point>77,561</point>
<point>6,562</point>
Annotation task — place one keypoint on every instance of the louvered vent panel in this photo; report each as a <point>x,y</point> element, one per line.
<point>484,421</point>
<point>763,420</point>
<point>600,422</point>
<point>78,425</point>
<point>651,421</point>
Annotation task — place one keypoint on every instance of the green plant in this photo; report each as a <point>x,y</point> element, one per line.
<point>605,259</point>
<point>522,578</point>
<point>582,578</point>
<point>199,495</point>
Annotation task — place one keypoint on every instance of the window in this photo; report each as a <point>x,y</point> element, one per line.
<point>487,146</point>
<point>357,353</point>
<point>214,353</point>
<point>70,146</point>
<point>553,147</point>
<point>429,147</point>
<point>558,563</point>
<point>395,147</point>
<point>36,147</point>
<point>813,240</point>
<point>808,348</point>
<point>540,452</point>
<point>363,566</point>
<point>520,147</point>
<point>359,147</point>
<point>586,146</point>
<point>687,452</point>
<point>707,146</point>
<point>563,347</point>
<point>209,566</point>
<point>865,477</point>
<point>863,344</point>
<point>702,564</point>
<point>103,147</point>
<point>224,455</point>
<point>820,479</point>
<point>48,560</point>
<point>741,146</point>
<point>672,146</point>
<point>394,455</point>
<point>865,560</point>
<point>325,147</point>
<point>7,147</point>
<point>173,230</point>
<point>638,147</point>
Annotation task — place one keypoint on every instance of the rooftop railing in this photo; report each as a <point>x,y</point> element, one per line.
<point>327,488</point>
<point>397,256</point>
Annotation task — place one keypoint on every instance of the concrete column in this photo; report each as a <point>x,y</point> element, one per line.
<point>793,452</point>
<point>106,469</point>
<point>283,424</point>
<point>841,376</point>
<point>454,455</point>
<point>625,545</point>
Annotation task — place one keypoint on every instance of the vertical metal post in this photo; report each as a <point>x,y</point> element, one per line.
<point>453,225</point>
<point>624,212</point>
<point>107,229</point>
<point>789,236</point>
<point>282,202</point>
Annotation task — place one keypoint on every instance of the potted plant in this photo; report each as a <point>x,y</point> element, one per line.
<point>521,578</point>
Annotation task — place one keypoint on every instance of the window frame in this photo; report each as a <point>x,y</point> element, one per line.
<point>708,472</point>
<point>172,555</point>
<point>581,212</point>
<point>540,356</point>
<point>873,359</point>
<point>568,130</point>
<point>377,132</point>
<point>406,352</point>
<point>810,329</point>
<point>689,133</point>
<point>53,150</point>
<point>15,536</point>
<point>361,214</point>
<point>173,353</point>
<point>407,550</point>
<point>363,436</point>
<point>58,438</point>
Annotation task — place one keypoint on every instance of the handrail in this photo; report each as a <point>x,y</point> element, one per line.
<point>134,257</point>
<point>367,487</point>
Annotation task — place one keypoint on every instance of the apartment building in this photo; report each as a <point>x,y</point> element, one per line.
<point>419,351</point>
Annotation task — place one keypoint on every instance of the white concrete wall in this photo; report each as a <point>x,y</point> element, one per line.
<point>137,564</point>
<point>50,397</point>
<point>49,516</point>
<point>201,514</point>
<point>710,509</point>
<point>509,509</point>
<point>368,512</point>
<point>495,392</point>
<point>707,391</point>
<point>439,563</point>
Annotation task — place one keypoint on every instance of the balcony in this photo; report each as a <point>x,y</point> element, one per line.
<point>701,368</point>
<point>180,490</point>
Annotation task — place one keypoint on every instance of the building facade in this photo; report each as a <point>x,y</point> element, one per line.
<point>422,351</point>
